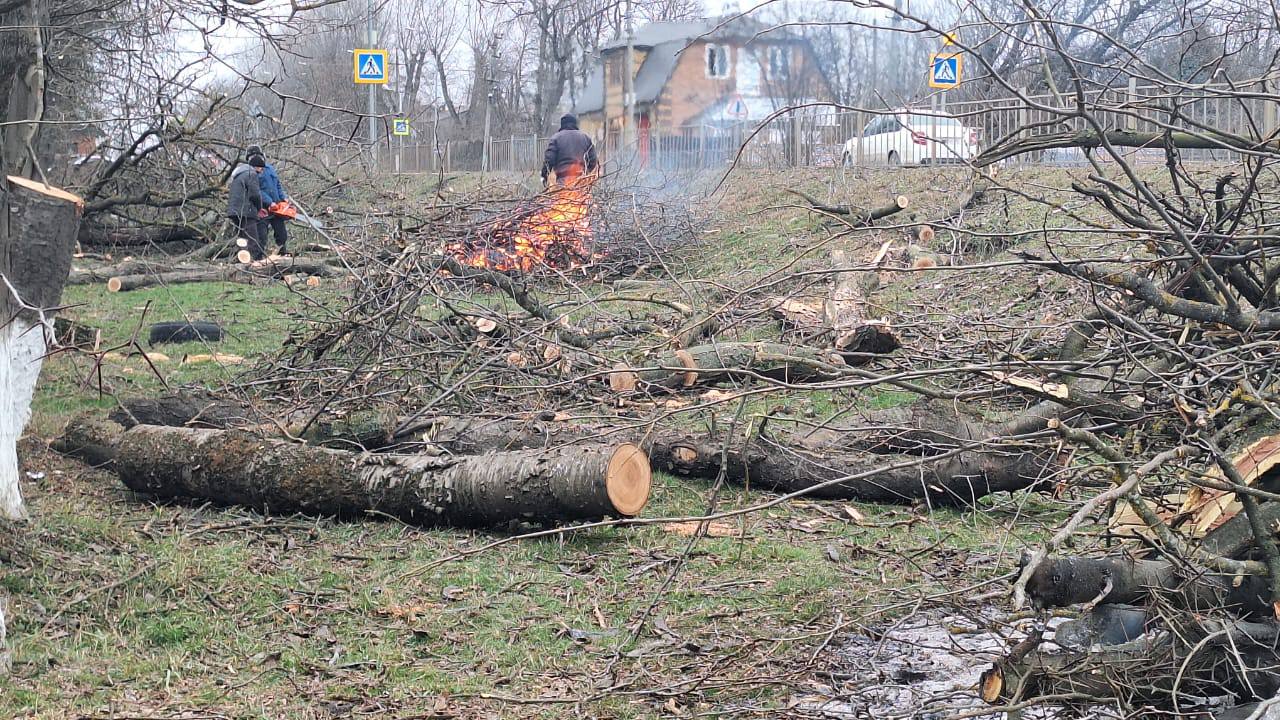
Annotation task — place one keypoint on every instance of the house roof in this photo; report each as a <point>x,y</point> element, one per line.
<point>664,41</point>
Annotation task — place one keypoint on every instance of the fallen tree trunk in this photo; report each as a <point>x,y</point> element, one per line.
<point>1193,663</point>
<point>956,480</point>
<point>569,483</point>
<point>781,465</point>
<point>227,273</point>
<point>1059,582</point>
<point>857,216</point>
<point>845,313</point>
<point>725,361</point>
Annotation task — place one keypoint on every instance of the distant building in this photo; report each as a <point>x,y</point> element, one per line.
<point>700,73</point>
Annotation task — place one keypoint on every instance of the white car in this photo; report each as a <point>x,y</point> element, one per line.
<point>913,138</point>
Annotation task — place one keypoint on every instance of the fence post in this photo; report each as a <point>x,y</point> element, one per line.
<point>1131,122</point>
<point>794,122</point>
<point>448,154</point>
<point>1269,119</point>
<point>860,129</point>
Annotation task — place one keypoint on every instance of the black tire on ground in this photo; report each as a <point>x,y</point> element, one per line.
<point>846,160</point>
<point>894,160</point>
<point>179,332</point>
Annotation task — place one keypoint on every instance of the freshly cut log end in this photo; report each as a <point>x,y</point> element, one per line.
<point>902,202</point>
<point>114,285</point>
<point>628,480</point>
<point>623,378</point>
<point>242,242</point>
<point>244,257</point>
<point>991,685</point>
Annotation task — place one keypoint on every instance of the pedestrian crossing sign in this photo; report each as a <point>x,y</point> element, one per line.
<point>944,70</point>
<point>371,67</point>
<point>400,126</point>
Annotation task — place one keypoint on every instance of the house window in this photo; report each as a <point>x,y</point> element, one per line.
<point>717,61</point>
<point>779,63</point>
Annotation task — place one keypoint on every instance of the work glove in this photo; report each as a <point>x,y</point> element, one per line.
<point>262,214</point>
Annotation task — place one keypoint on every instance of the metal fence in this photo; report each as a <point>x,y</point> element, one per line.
<point>816,137</point>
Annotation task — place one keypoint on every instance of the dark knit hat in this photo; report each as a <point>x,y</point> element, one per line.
<point>257,161</point>
<point>253,150</point>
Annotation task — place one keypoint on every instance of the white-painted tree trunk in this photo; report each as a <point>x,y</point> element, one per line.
<point>22,349</point>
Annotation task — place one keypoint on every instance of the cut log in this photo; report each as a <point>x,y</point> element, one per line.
<point>573,483</point>
<point>918,257</point>
<point>1195,662</point>
<point>783,466</point>
<point>728,361</point>
<point>857,216</point>
<point>958,480</point>
<point>277,268</point>
<point>1234,538</point>
<point>845,313</point>
<point>35,258</point>
<point>72,334</point>
<point>1059,582</point>
<point>183,410</point>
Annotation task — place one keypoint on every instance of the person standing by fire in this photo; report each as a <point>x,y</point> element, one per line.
<point>569,154</point>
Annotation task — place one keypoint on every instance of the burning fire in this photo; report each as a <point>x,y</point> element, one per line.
<point>555,233</point>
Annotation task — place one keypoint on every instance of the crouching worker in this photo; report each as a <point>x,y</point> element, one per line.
<point>245,206</point>
<point>569,154</point>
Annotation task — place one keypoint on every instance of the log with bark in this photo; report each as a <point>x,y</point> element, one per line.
<point>570,483</point>
<point>788,464</point>
<point>856,216</point>
<point>727,361</point>
<point>845,313</point>
<point>1165,667</point>
<point>36,245</point>
<point>227,273</point>
<point>1064,581</point>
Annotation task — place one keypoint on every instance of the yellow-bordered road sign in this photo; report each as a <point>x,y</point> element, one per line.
<point>370,67</point>
<point>400,126</point>
<point>944,70</point>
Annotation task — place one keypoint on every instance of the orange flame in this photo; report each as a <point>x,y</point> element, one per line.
<point>557,234</point>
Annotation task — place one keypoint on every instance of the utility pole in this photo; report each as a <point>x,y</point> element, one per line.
<point>628,89</point>
<point>373,100</point>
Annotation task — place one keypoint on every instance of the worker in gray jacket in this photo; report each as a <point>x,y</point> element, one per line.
<point>570,153</point>
<point>245,204</point>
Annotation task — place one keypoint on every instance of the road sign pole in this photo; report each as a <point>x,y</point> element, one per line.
<point>373,100</point>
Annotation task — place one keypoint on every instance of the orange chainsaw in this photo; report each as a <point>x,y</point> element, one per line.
<point>284,209</point>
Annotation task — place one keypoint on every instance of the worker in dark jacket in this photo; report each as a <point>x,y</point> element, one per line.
<point>245,204</point>
<point>272,193</point>
<point>569,154</point>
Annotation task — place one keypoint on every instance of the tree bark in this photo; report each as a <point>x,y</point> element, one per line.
<point>845,313</point>
<point>726,361</point>
<point>562,484</point>
<point>228,273</point>
<point>35,257</point>
<point>1148,670</point>
<point>780,465</point>
<point>1059,582</point>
